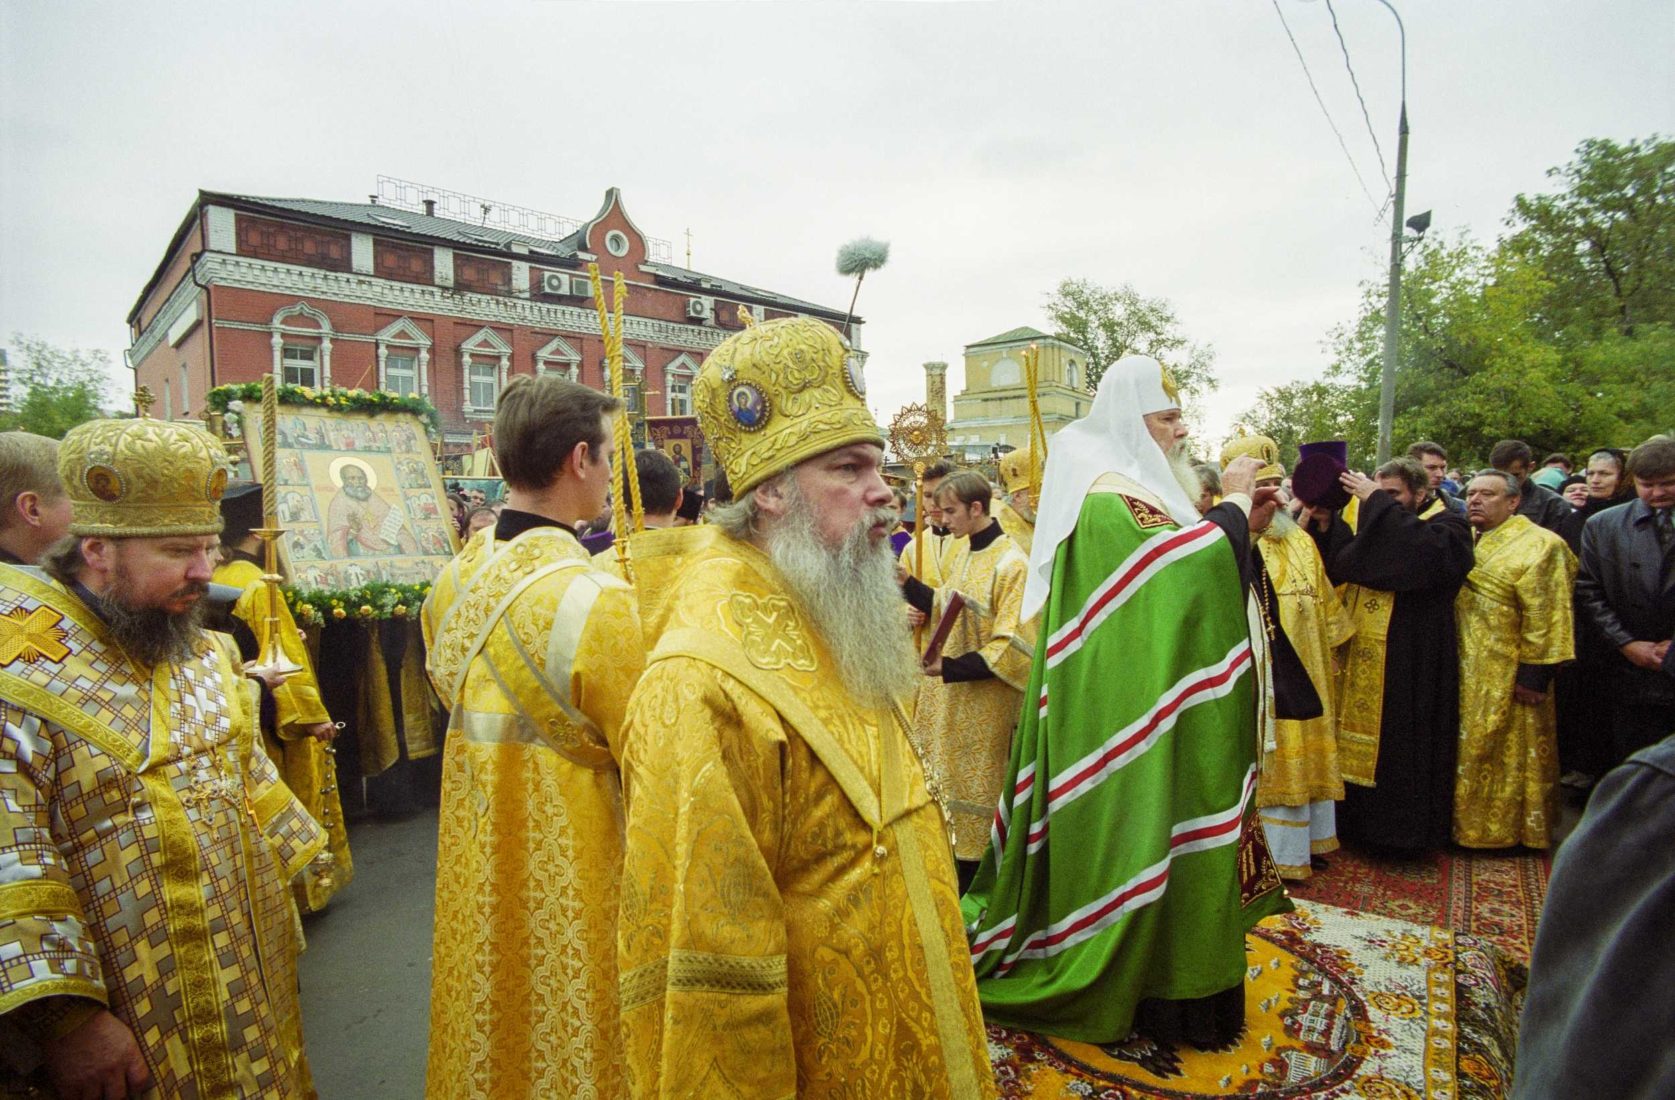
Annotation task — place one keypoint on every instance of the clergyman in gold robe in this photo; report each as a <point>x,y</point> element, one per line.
<point>1017,512</point>
<point>534,653</point>
<point>790,918</point>
<point>1515,627</point>
<point>147,929</point>
<point>298,731</point>
<point>968,702</point>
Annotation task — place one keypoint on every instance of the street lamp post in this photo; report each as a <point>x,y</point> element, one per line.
<point>1393,305</point>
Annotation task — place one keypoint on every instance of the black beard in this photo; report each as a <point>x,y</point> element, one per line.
<point>151,635</point>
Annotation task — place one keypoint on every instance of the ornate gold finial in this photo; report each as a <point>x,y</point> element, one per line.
<point>610,327</point>
<point>918,435</point>
<point>143,400</point>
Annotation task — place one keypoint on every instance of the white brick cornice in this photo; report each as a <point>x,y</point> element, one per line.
<point>248,273</point>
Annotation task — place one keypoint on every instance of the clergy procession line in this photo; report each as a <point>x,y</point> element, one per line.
<point>717,821</point>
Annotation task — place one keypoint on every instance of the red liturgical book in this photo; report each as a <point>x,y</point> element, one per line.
<point>945,625</point>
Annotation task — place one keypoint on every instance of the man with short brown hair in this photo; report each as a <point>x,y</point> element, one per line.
<point>534,653</point>
<point>34,509</point>
<point>1434,460</point>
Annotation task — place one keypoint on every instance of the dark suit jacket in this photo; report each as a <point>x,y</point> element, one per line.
<point>1545,508</point>
<point>1626,587</point>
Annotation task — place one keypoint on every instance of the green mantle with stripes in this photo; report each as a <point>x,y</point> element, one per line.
<point>1125,860</point>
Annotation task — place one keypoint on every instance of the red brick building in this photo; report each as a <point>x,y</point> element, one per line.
<point>378,296</point>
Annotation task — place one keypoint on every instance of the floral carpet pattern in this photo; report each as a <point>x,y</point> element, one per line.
<point>1338,1004</point>
<point>1496,896</point>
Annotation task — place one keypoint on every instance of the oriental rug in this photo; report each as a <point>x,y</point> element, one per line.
<point>1496,896</point>
<point>1338,1005</point>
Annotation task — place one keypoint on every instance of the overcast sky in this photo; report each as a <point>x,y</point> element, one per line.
<point>998,146</point>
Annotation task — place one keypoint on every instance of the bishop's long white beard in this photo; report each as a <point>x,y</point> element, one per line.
<point>1280,526</point>
<point>850,592</point>
<point>1180,464</point>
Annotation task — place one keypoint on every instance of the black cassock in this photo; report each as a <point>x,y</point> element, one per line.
<point>1424,562</point>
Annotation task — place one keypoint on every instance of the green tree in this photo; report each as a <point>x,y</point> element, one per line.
<point>1111,322</point>
<point>62,387</point>
<point>1302,412</point>
<point>1606,241</point>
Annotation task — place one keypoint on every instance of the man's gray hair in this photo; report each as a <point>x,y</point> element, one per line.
<point>1513,487</point>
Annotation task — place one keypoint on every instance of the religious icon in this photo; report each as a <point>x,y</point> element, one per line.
<point>748,405</point>
<point>855,375</point>
<point>360,523</point>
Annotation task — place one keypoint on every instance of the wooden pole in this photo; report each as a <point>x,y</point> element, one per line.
<point>919,539</point>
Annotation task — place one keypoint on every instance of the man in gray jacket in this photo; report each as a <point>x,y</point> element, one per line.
<point>1626,590</point>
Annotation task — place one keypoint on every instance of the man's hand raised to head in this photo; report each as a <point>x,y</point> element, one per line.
<point>1263,504</point>
<point>1358,485</point>
<point>1240,476</point>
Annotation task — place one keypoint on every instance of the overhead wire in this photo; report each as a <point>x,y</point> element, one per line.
<point>1353,167</point>
<point>1365,117</point>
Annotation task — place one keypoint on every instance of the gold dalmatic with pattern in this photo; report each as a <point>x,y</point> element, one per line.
<point>304,763</point>
<point>535,654</point>
<point>1515,609</point>
<point>790,923</point>
<point>1017,528</point>
<point>938,548</point>
<point>1299,779</point>
<point>965,729</point>
<point>146,846</point>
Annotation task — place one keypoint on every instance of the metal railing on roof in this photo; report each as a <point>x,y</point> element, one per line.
<point>474,210</point>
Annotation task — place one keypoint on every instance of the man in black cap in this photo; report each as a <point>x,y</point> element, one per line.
<point>1400,679</point>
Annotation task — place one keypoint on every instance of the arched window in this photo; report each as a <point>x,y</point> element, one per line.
<point>302,346</point>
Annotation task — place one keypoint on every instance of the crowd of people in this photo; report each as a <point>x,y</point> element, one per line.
<point>792,800</point>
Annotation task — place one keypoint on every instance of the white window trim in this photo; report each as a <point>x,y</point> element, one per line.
<point>311,347</point>
<point>403,333</point>
<point>559,357</point>
<point>682,368</point>
<point>485,341</point>
<point>322,332</point>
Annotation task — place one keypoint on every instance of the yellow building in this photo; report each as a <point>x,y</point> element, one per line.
<point>993,409</point>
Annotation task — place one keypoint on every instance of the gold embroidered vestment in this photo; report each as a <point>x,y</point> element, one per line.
<point>965,729</point>
<point>790,924</point>
<point>1515,608</point>
<point>303,762</point>
<point>534,653</point>
<point>146,846</point>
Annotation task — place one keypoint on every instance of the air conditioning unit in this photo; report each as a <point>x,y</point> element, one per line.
<point>581,286</point>
<point>555,282</point>
<point>700,309</point>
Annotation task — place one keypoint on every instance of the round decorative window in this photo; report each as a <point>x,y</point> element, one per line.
<point>616,242</point>
<point>1007,372</point>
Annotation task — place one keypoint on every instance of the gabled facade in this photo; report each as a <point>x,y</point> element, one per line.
<point>993,409</point>
<point>371,296</point>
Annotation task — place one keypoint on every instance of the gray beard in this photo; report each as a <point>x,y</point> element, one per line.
<point>1280,526</point>
<point>1180,464</point>
<point>850,593</point>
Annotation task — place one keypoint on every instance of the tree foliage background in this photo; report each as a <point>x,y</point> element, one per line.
<point>1111,322</point>
<point>1562,333</point>
<point>60,387</point>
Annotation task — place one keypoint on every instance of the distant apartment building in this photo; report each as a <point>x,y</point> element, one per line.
<point>400,295</point>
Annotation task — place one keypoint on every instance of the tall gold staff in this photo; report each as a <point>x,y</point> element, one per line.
<point>1037,429</point>
<point>623,442</point>
<point>918,435</point>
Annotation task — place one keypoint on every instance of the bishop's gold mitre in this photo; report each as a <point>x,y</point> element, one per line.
<point>142,478</point>
<point>1259,447</point>
<point>1014,470</point>
<point>779,393</point>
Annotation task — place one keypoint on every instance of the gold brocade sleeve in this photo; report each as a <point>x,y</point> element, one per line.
<point>45,947</point>
<point>1010,647</point>
<point>608,662</point>
<point>1544,589</point>
<point>296,701</point>
<point>702,935</point>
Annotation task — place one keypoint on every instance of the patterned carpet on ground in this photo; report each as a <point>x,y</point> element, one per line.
<point>1338,1004</point>
<point>1495,896</point>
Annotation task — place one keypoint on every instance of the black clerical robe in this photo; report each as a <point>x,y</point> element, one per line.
<point>1421,563</point>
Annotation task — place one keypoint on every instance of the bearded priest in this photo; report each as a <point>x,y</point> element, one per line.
<point>790,921</point>
<point>534,652</point>
<point>1126,863</point>
<point>147,931</point>
<point>1016,513</point>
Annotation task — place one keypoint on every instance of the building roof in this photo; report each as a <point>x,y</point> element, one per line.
<point>394,220</point>
<point>1019,335</point>
<point>386,218</point>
